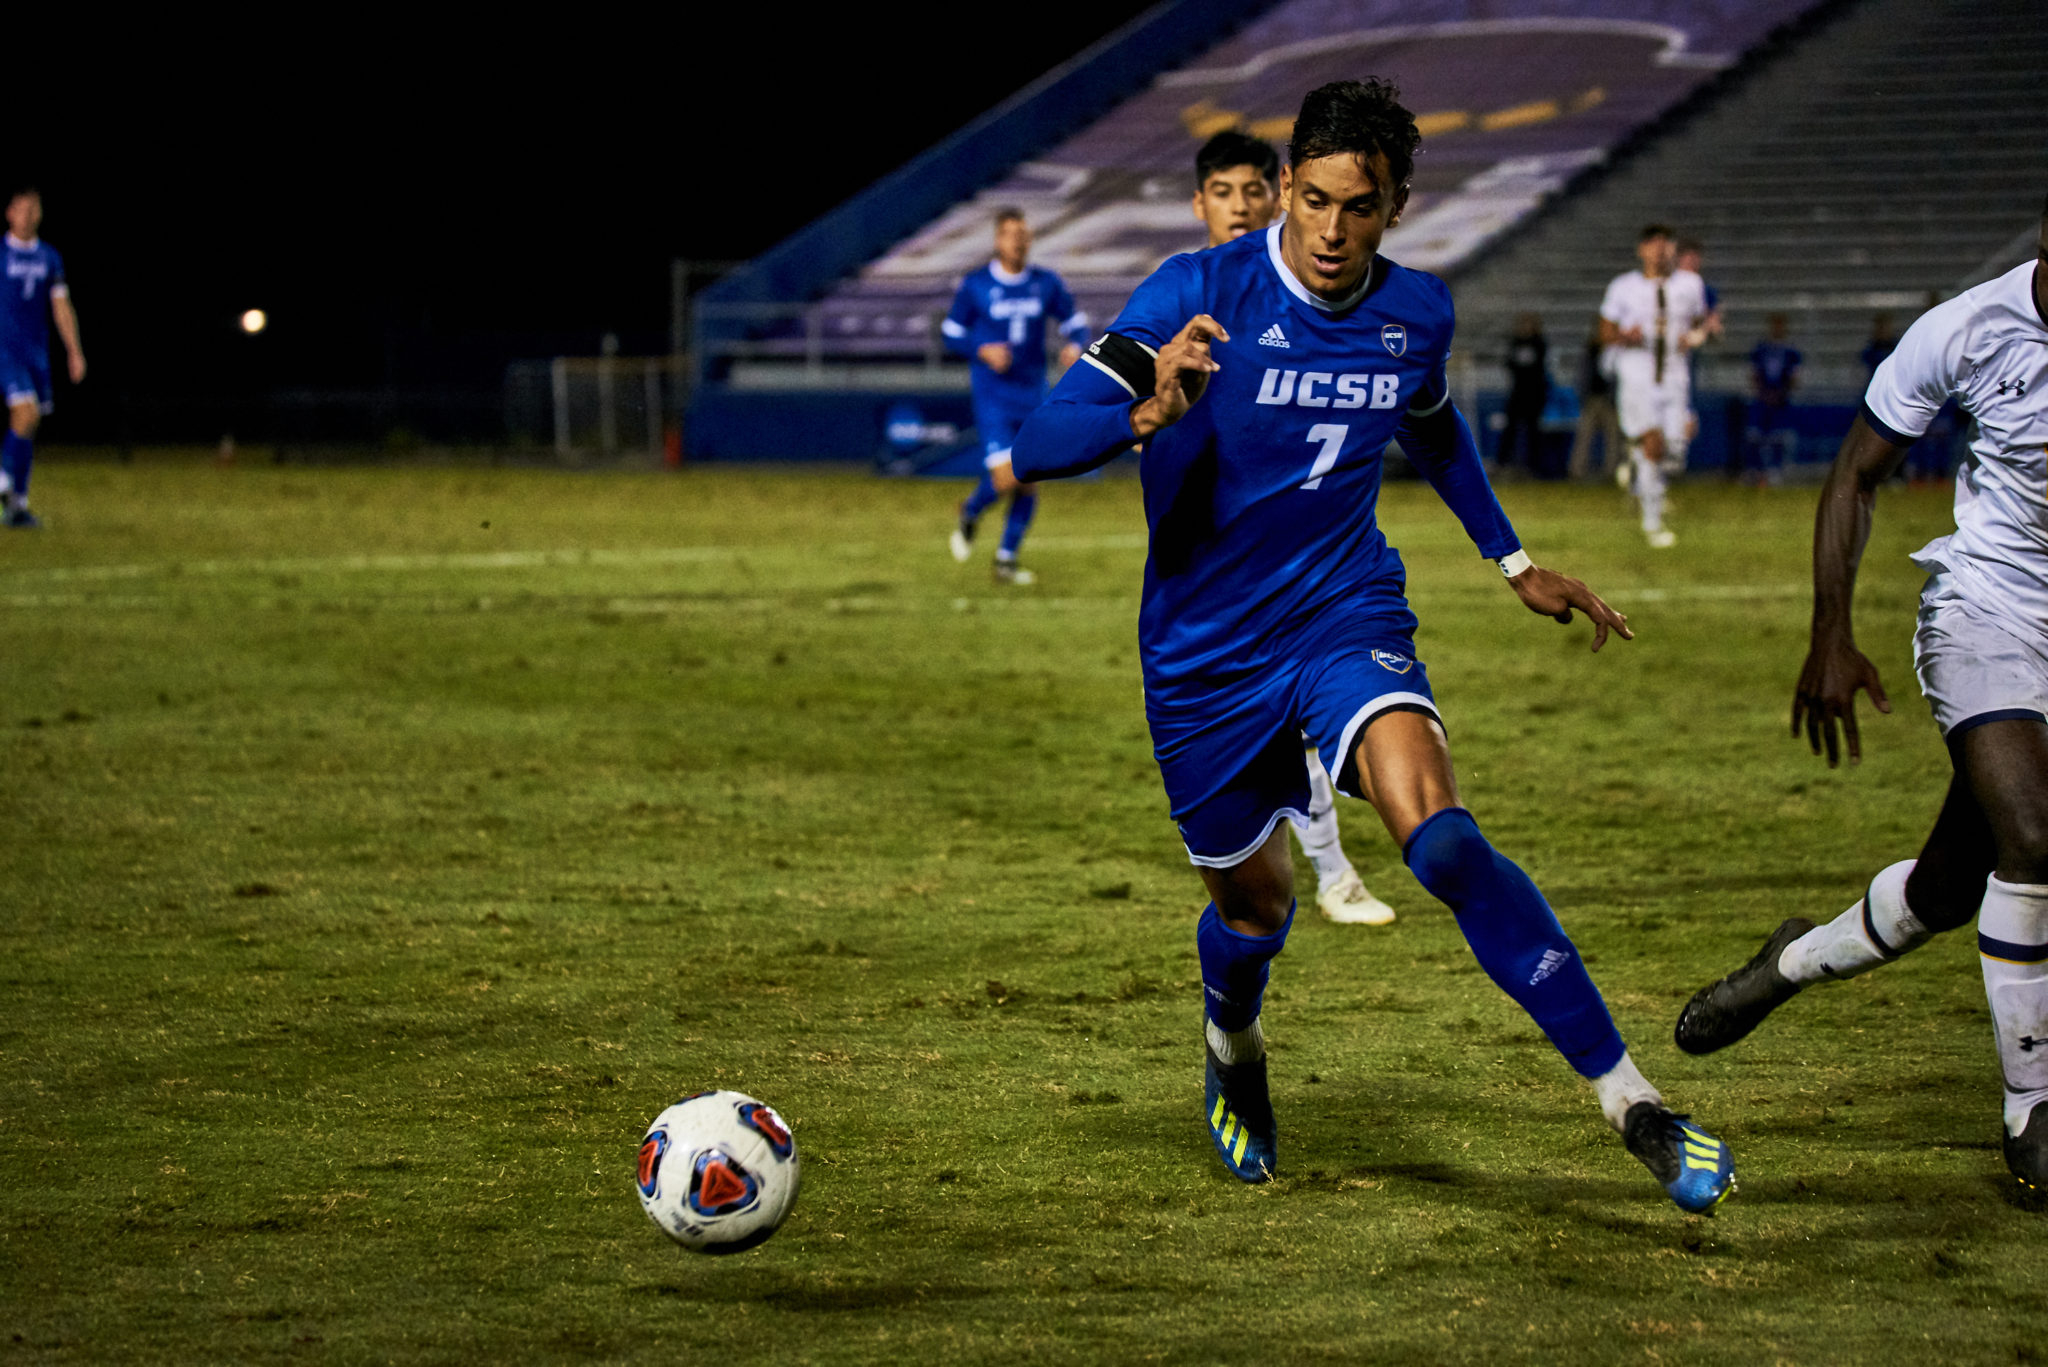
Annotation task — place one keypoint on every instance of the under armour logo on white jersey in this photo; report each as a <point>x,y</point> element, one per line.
<point>1273,336</point>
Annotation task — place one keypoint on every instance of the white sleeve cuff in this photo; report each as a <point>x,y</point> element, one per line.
<point>1515,562</point>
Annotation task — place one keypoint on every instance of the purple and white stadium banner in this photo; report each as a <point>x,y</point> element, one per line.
<point>1512,100</point>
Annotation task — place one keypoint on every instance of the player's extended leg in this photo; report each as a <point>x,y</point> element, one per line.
<point>1341,894</point>
<point>1023,505</point>
<point>1404,768</point>
<point>17,455</point>
<point>2006,763</point>
<point>1245,925</point>
<point>1903,906</point>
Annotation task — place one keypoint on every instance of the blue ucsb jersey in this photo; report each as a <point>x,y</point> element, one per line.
<point>1261,500</point>
<point>35,275</point>
<point>994,305</point>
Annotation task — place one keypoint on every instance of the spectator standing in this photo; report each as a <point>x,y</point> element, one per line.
<point>1528,391</point>
<point>1597,418</point>
<point>1774,374</point>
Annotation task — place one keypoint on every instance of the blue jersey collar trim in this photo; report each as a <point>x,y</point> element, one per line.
<point>1373,275</point>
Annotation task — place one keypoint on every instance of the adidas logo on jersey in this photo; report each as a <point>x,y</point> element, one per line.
<point>1273,336</point>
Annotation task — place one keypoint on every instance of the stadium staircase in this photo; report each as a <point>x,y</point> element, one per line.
<point>1886,159</point>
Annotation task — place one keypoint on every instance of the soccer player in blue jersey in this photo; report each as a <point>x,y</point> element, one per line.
<point>998,322</point>
<point>34,292</point>
<point>1265,378</point>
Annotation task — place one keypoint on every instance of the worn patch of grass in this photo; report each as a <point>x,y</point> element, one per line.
<point>384,847</point>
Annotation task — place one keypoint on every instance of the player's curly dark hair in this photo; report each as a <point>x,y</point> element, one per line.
<point>1233,147</point>
<point>1360,117</point>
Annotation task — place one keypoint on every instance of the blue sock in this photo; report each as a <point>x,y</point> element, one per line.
<point>1516,938</point>
<point>1234,968</point>
<point>17,453</point>
<point>978,502</point>
<point>1022,506</point>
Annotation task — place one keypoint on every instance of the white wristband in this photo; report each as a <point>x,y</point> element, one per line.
<point>1512,565</point>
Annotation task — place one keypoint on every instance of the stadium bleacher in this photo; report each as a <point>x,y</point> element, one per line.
<point>1891,157</point>
<point>1791,169</point>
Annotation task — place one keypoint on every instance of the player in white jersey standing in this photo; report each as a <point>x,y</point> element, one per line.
<point>1981,652</point>
<point>1650,317</point>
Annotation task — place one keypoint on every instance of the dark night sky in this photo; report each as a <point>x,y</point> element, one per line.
<point>424,218</point>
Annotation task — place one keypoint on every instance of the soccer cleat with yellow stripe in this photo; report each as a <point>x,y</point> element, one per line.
<point>2026,1155</point>
<point>1240,1117</point>
<point>1696,1169</point>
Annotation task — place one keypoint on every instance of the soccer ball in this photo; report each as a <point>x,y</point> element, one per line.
<point>718,1172</point>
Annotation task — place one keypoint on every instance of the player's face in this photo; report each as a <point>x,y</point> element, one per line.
<point>1338,208</point>
<point>1655,253</point>
<point>1234,201</point>
<point>1013,244</point>
<point>25,215</point>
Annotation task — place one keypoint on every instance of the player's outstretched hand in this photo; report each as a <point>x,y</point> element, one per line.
<point>77,368</point>
<point>996,356</point>
<point>1069,354</point>
<point>1003,476</point>
<point>1826,694</point>
<point>1181,372</point>
<point>1555,595</point>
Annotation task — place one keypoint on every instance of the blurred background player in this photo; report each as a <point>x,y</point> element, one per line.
<point>998,323</point>
<point>1981,652</point>
<point>34,293</point>
<point>1646,316</point>
<point>1773,375</point>
<point>1237,178</point>
<point>1528,365</point>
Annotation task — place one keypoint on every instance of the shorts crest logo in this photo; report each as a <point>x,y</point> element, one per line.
<point>1388,660</point>
<point>1395,338</point>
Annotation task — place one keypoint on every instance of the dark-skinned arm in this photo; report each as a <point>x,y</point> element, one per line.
<point>1834,667</point>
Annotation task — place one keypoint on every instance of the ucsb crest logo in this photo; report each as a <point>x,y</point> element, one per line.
<point>1315,389</point>
<point>1388,660</point>
<point>1394,338</point>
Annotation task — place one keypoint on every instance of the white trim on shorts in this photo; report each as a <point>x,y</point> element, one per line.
<point>1366,714</point>
<point>1231,861</point>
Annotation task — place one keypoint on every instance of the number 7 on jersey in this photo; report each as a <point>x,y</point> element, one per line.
<point>1331,435</point>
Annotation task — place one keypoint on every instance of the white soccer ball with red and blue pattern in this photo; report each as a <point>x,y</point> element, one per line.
<point>718,1172</point>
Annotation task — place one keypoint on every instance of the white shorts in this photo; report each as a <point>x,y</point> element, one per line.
<point>1975,667</point>
<point>1666,407</point>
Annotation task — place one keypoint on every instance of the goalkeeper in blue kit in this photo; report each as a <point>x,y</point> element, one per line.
<point>1265,378</point>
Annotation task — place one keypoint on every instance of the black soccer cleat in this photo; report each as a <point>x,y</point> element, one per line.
<point>1720,1014</point>
<point>2026,1153</point>
<point>1696,1170</point>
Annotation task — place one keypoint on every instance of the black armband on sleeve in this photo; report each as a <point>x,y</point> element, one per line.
<point>1127,362</point>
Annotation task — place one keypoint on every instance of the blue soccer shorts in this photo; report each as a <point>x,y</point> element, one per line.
<point>26,379</point>
<point>1232,763</point>
<point>999,423</point>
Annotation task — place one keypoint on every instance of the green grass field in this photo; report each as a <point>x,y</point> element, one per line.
<point>380,849</point>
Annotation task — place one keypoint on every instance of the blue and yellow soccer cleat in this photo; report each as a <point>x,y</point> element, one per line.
<point>1697,1170</point>
<point>1240,1116</point>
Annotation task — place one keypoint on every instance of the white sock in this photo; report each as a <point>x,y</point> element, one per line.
<point>1621,1087</point>
<point>2012,943</point>
<point>1878,929</point>
<point>1237,1046</point>
<point>1650,491</point>
<point>1319,839</point>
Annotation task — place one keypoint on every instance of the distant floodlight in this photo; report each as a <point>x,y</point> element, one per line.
<point>254,321</point>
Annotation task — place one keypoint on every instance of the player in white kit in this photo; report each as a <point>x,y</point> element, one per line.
<point>1981,652</point>
<point>1651,317</point>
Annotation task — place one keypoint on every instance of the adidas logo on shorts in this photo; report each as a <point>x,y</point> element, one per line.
<point>1273,336</point>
